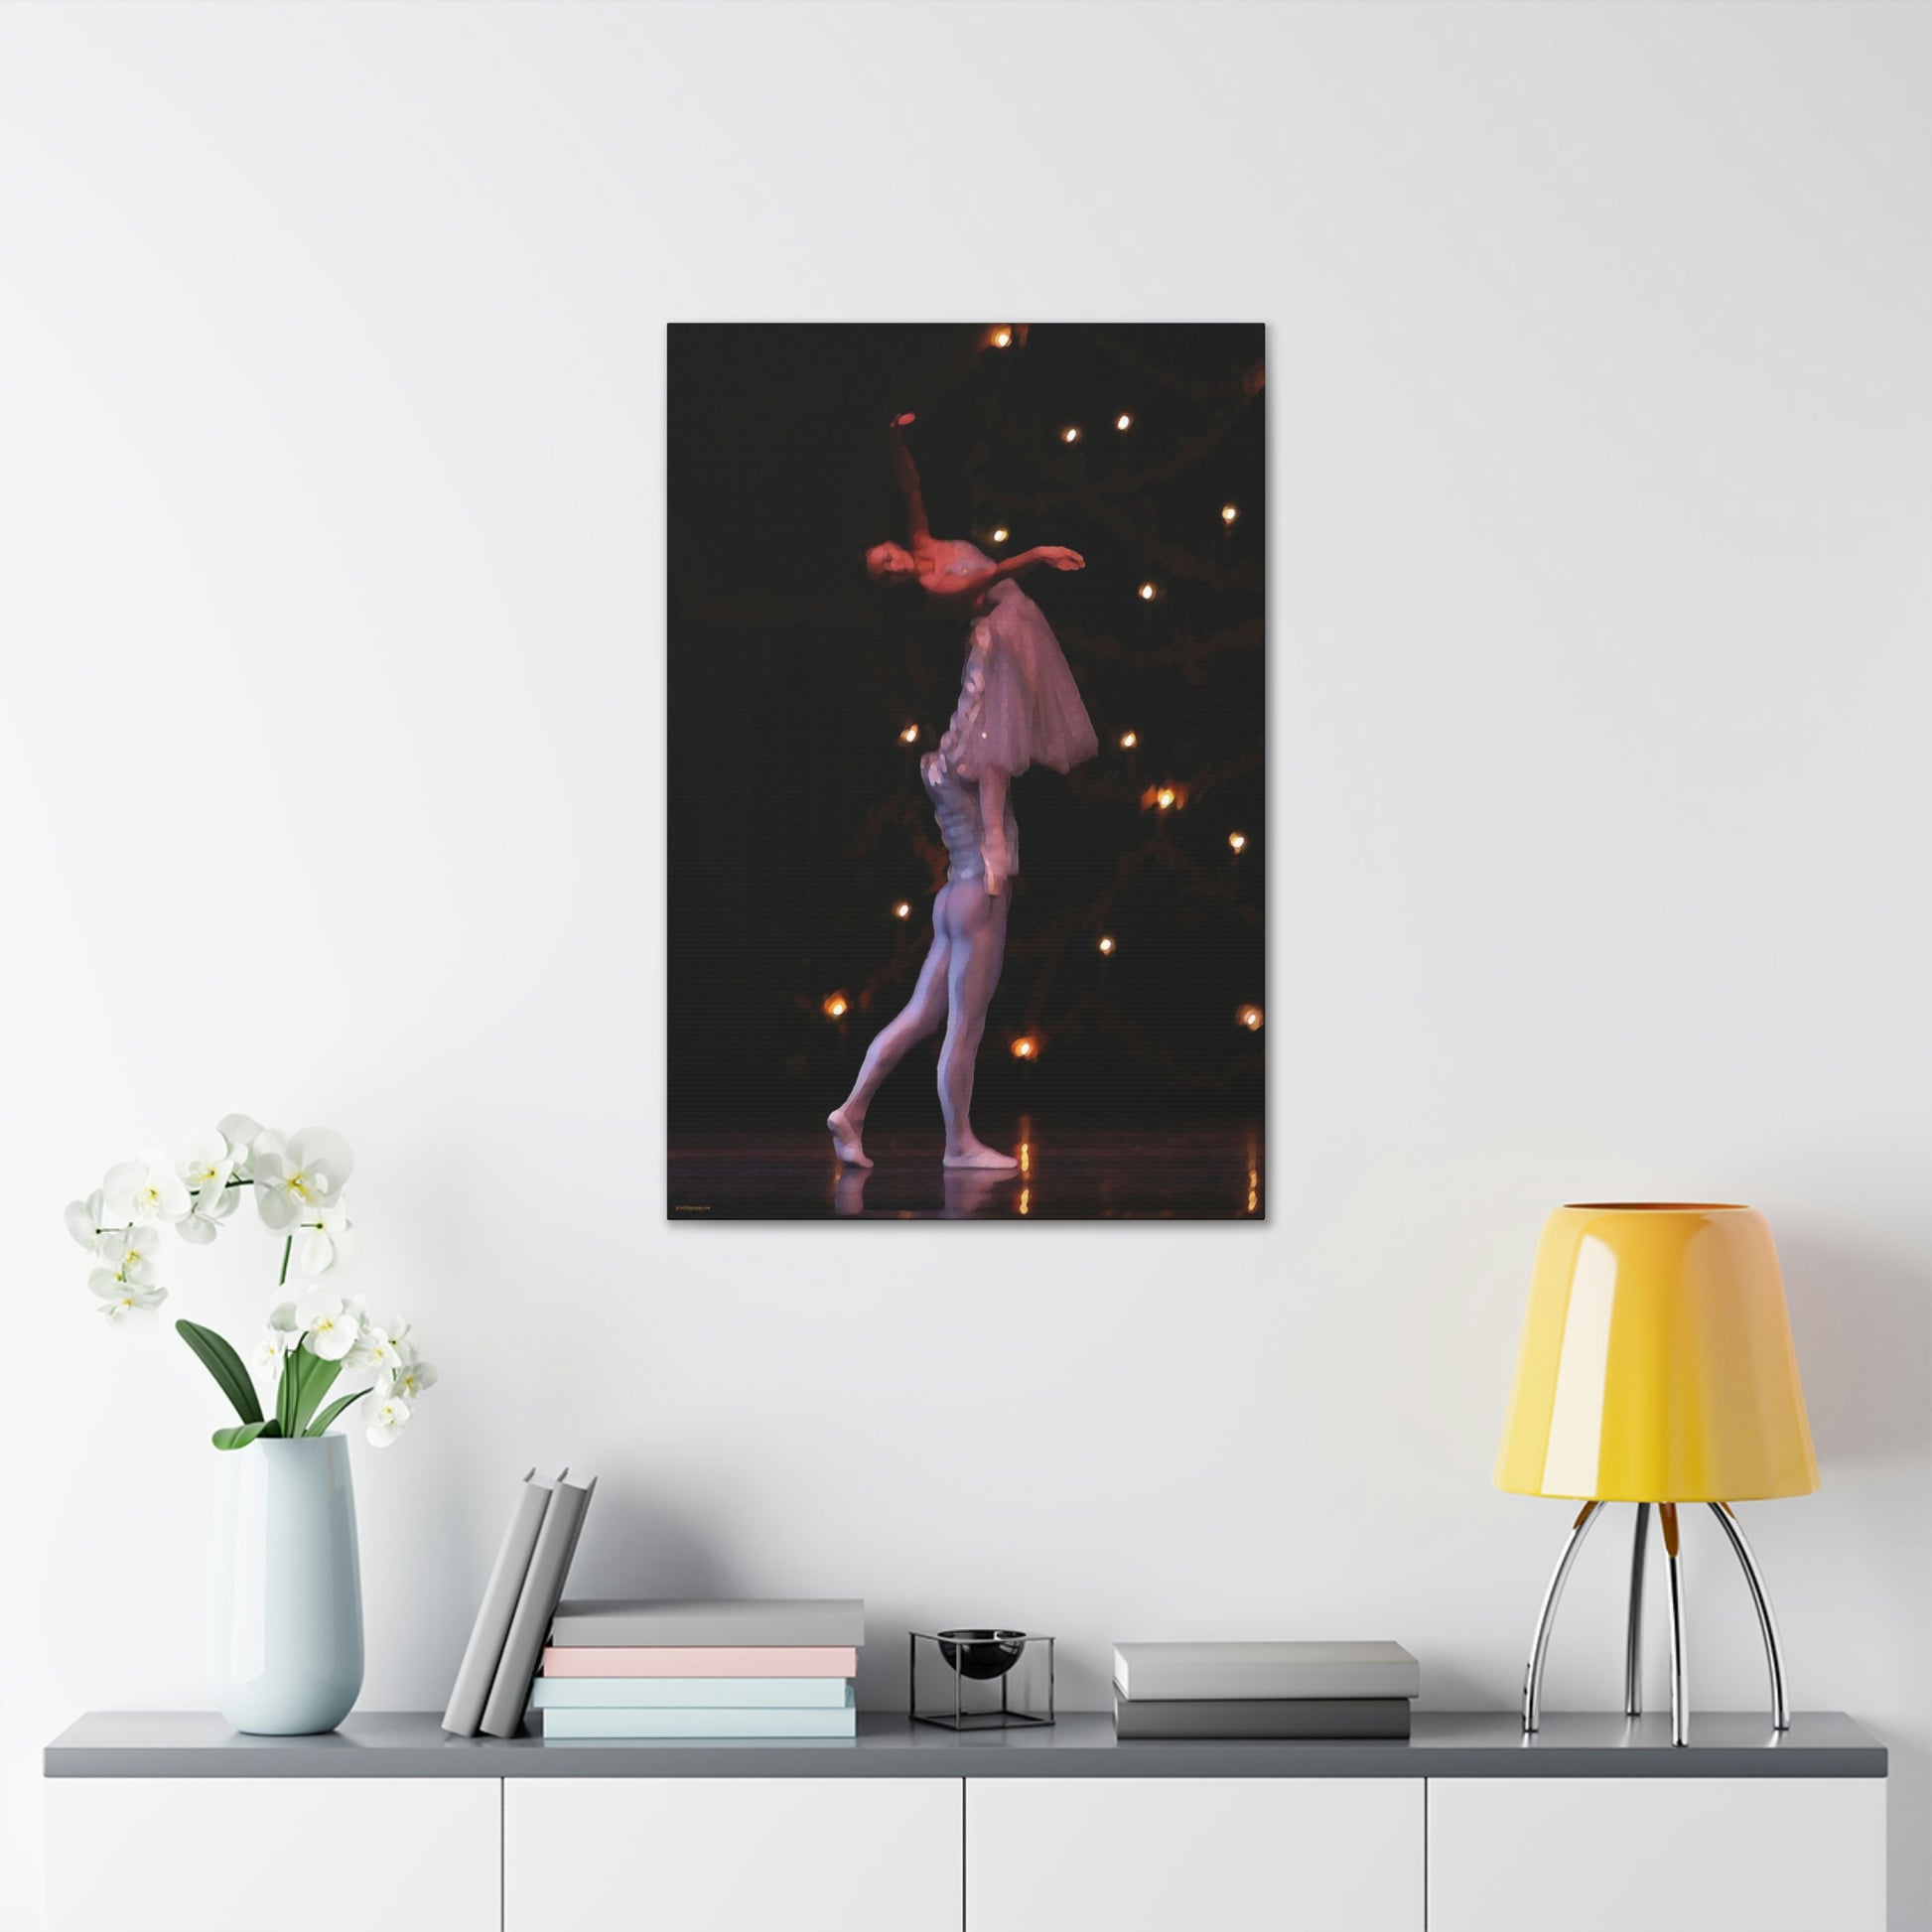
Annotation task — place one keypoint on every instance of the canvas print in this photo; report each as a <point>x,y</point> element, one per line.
<point>966,787</point>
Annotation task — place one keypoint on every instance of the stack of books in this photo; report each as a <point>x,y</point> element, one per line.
<point>1264,1690</point>
<point>640,1668</point>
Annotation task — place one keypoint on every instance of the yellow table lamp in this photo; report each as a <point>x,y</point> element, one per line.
<point>1656,1366</point>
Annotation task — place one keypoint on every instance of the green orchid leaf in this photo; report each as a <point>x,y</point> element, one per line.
<point>222,1363</point>
<point>318,1376</point>
<point>320,1427</point>
<point>289,1389</point>
<point>240,1435</point>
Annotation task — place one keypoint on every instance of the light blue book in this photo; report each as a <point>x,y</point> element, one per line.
<point>692,1693</point>
<point>644,1724</point>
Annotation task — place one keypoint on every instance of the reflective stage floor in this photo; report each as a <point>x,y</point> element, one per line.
<point>1195,1171</point>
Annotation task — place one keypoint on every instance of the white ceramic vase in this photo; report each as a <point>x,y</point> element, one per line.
<point>285,1634</point>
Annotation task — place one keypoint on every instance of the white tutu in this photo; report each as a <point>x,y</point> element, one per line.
<point>1023,706</point>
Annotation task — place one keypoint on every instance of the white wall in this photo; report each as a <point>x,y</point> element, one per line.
<point>330,543</point>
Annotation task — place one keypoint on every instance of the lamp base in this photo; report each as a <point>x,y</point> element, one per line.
<point>1680,1705</point>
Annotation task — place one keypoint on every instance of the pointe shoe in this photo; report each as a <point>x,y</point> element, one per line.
<point>845,1143</point>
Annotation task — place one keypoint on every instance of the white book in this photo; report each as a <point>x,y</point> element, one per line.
<point>779,1622</point>
<point>692,1693</point>
<point>1153,1671</point>
<point>485,1651</point>
<point>700,1724</point>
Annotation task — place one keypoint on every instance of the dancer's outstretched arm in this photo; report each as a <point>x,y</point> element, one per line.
<point>907,473</point>
<point>1048,556</point>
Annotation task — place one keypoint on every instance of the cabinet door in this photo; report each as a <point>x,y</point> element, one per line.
<point>1670,1855</point>
<point>271,1854</point>
<point>731,1855</point>
<point>1185,1855</point>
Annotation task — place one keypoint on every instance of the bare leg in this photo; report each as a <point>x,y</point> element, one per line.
<point>993,822</point>
<point>919,1017</point>
<point>978,929</point>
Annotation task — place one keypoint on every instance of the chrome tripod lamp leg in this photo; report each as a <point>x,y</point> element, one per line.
<point>1767,1622</point>
<point>1540,1643</point>
<point>1633,1636</point>
<point>1680,1697</point>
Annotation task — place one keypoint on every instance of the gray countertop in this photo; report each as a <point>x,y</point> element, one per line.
<point>1446,1744</point>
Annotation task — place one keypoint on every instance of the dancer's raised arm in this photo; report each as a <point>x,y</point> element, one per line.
<point>1048,556</point>
<point>907,473</point>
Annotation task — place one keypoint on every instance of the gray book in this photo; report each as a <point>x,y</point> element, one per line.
<point>1311,1717</point>
<point>783,1622</point>
<point>485,1651</point>
<point>1162,1671</point>
<point>537,1604</point>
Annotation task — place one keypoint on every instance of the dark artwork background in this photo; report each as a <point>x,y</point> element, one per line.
<point>797,821</point>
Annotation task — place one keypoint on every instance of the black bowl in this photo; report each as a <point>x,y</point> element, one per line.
<point>981,1654</point>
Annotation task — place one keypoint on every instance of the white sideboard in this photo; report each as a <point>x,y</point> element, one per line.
<point>173,1822</point>
<point>1157,1855</point>
<point>1762,1853</point>
<point>246,1855</point>
<point>725,1855</point>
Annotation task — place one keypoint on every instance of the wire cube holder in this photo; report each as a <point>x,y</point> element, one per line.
<point>980,1680</point>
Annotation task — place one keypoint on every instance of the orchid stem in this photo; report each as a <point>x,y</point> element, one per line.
<point>288,1248</point>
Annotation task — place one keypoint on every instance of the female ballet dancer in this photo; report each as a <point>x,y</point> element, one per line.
<point>1018,705</point>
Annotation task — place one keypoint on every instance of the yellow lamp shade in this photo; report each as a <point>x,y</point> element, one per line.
<point>1656,1362</point>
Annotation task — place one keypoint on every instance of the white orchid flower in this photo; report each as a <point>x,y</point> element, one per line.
<point>207,1162</point>
<point>387,1420</point>
<point>408,1380</point>
<point>375,1349</point>
<point>84,1218</point>
<point>144,1189</point>
<point>297,1180</point>
<point>212,1206</point>
<point>122,1299</point>
<point>283,1333</point>
<point>241,1134</point>
<point>332,1328</point>
<point>328,1241</point>
<point>132,1252</point>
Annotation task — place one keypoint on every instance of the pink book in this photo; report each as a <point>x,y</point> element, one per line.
<point>735,1660</point>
